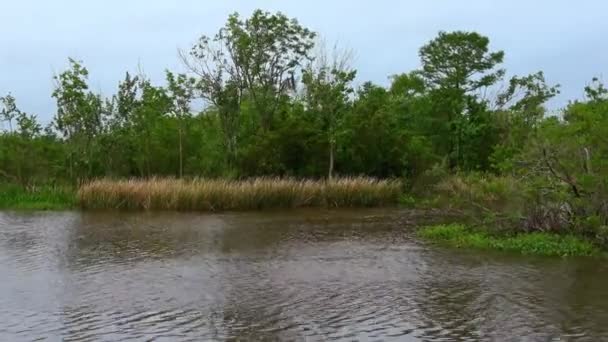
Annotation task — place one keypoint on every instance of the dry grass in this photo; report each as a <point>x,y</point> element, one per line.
<point>486,192</point>
<point>216,195</point>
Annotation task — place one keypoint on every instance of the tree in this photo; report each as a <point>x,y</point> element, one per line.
<point>596,91</point>
<point>181,92</point>
<point>79,116</point>
<point>566,161</point>
<point>148,126</point>
<point>527,95</point>
<point>374,142</point>
<point>412,107</point>
<point>461,61</point>
<point>8,113</point>
<point>519,112</point>
<point>28,130</point>
<point>21,149</point>
<point>455,66</point>
<point>256,60</point>
<point>327,90</point>
<point>9,110</point>
<point>127,97</point>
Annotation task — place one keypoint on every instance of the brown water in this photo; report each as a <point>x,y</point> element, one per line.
<point>303,275</point>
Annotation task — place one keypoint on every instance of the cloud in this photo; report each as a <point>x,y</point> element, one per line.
<point>563,38</point>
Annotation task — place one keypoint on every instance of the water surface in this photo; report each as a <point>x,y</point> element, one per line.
<point>299,275</point>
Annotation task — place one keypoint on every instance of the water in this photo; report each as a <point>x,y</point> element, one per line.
<point>303,275</point>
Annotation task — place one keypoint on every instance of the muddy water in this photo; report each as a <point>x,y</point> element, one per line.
<point>304,275</point>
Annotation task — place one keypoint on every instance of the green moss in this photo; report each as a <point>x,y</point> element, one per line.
<point>39,198</point>
<point>460,236</point>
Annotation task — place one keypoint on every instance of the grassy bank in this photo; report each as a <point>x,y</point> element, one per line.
<point>537,243</point>
<point>215,195</point>
<point>36,198</point>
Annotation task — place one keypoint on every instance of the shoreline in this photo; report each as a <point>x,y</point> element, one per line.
<point>115,194</point>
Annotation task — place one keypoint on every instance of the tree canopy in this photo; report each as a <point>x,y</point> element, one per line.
<point>273,104</point>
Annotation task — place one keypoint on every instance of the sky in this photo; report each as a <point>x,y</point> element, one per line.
<point>564,38</point>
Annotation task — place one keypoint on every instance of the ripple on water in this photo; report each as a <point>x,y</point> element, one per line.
<point>315,275</point>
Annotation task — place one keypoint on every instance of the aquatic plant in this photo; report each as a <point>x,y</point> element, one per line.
<point>539,243</point>
<point>216,194</point>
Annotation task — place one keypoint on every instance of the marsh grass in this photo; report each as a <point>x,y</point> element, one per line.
<point>538,243</point>
<point>46,197</point>
<point>218,195</point>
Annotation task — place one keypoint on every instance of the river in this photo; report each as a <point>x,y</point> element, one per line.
<point>310,275</point>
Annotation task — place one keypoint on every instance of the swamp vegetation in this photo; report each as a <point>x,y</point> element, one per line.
<point>263,105</point>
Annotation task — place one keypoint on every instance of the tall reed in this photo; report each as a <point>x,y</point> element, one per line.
<point>215,195</point>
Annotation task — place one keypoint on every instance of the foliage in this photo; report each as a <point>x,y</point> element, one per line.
<point>259,100</point>
<point>455,65</point>
<point>327,91</point>
<point>483,193</point>
<point>538,243</point>
<point>273,105</point>
<point>13,196</point>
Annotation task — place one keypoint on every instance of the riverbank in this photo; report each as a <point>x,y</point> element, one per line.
<point>274,193</point>
<point>536,243</point>
<point>15,197</point>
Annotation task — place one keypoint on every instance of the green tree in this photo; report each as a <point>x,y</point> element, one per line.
<point>20,148</point>
<point>9,110</point>
<point>327,89</point>
<point>150,125</point>
<point>456,65</point>
<point>181,91</point>
<point>520,109</point>
<point>78,118</point>
<point>253,60</point>
<point>28,148</point>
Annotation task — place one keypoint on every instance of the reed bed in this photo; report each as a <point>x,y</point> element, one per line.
<point>43,197</point>
<point>218,195</point>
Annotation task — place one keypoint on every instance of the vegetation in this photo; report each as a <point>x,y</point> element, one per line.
<point>538,243</point>
<point>13,196</point>
<point>259,193</point>
<point>261,98</point>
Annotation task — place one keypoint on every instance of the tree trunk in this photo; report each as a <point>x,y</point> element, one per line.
<point>587,161</point>
<point>331,161</point>
<point>71,164</point>
<point>181,162</point>
<point>147,158</point>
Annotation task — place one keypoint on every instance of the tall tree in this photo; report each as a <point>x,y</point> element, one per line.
<point>327,83</point>
<point>181,92</point>
<point>456,65</point>
<point>149,124</point>
<point>254,59</point>
<point>520,109</point>
<point>79,116</point>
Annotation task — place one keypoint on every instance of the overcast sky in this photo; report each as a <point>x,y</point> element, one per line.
<point>565,38</point>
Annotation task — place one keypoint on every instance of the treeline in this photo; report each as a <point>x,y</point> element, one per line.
<point>262,97</point>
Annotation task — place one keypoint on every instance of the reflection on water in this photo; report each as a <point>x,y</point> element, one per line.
<point>298,275</point>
